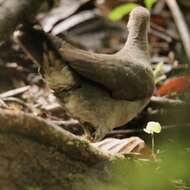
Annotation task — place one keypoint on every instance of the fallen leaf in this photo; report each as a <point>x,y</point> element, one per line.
<point>128,146</point>
<point>177,84</point>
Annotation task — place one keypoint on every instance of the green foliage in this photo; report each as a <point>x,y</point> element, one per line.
<point>159,72</point>
<point>170,172</point>
<point>149,3</point>
<point>119,12</point>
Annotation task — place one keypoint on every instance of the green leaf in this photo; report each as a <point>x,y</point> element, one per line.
<point>159,73</point>
<point>149,3</point>
<point>159,70</point>
<point>119,12</point>
<point>153,127</point>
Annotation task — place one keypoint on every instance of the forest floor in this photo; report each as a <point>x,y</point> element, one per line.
<point>87,24</point>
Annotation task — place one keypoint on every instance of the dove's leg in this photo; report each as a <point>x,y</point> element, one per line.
<point>101,132</point>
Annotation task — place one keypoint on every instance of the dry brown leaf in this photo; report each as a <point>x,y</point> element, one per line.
<point>127,146</point>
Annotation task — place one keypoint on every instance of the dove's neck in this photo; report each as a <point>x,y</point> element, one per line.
<point>138,37</point>
<point>137,42</point>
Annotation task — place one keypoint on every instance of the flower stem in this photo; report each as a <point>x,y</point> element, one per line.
<point>153,143</point>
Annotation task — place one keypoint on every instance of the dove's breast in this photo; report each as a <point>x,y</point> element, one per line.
<point>93,105</point>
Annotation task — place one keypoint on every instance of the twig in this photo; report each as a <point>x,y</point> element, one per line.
<point>18,101</point>
<point>129,131</point>
<point>159,7</point>
<point>3,104</point>
<point>168,33</point>
<point>14,92</point>
<point>161,35</point>
<point>181,25</point>
<point>66,123</point>
<point>161,102</point>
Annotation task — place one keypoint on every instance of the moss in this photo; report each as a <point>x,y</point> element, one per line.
<point>32,188</point>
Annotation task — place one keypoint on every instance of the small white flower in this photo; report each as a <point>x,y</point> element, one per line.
<point>153,127</point>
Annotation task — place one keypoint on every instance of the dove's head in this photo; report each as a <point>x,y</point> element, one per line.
<point>138,24</point>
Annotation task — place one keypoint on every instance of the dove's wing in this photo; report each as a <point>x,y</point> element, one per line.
<point>124,79</point>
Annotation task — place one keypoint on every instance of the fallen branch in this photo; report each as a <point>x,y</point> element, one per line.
<point>49,134</point>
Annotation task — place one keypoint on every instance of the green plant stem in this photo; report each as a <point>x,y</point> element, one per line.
<point>153,143</point>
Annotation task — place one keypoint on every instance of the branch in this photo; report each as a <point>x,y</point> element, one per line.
<point>49,134</point>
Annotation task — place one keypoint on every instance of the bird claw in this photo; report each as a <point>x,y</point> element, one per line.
<point>101,133</point>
